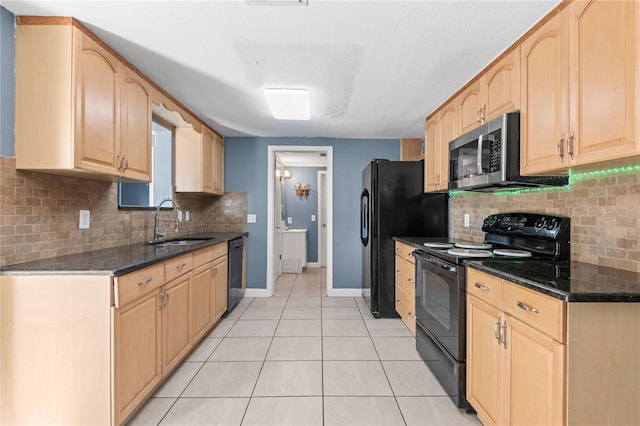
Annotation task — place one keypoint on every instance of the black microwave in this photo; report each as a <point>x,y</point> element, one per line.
<point>488,158</point>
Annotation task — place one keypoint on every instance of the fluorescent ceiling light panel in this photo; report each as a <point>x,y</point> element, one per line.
<point>288,104</point>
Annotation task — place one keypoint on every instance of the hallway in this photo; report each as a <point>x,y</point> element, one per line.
<point>301,358</point>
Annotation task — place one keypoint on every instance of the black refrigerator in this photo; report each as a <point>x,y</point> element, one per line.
<point>393,204</point>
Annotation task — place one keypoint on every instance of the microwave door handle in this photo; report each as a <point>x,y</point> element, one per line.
<point>479,159</point>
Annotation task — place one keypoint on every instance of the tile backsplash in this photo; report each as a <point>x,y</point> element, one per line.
<point>604,211</point>
<point>39,215</point>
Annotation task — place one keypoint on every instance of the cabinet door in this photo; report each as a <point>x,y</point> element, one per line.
<point>469,108</point>
<point>136,346</point>
<point>501,86</point>
<point>536,369</point>
<point>97,117</point>
<point>485,373</point>
<point>431,163</point>
<point>218,165</point>
<point>208,150</point>
<point>604,42</point>
<point>201,300</point>
<point>448,132</point>
<point>176,337</point>
<point>544,92</point>
<point>135,143</point>
<point>220,287</point>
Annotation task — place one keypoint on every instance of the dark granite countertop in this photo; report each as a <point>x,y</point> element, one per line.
<point>567,280</point>
<point>117,260</point>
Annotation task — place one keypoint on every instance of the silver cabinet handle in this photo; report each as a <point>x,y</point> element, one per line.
<point>145,282</point>
<point>125,163</point>
<point>570,144</point>
<point>119,164</point>
<point>481,287</point>
<point>180,266</point>
<point>399,272</point>
<point>561,148</point>
<point>162,303</point>
<point>496,329</point>
<point>527,308</point>
<point>503,334</point>
<point>411,315</point>
<point>399,302</point>
<point>410,280</point>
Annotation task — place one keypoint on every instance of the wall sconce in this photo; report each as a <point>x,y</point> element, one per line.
<point>286,174</point>
<point>302,190</point>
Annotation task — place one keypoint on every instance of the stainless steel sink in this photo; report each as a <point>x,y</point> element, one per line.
<point>178,242</point>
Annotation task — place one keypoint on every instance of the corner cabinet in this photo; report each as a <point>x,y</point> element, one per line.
<point>583,109</point>
<point>535,359</point>
<point>199,160</point>
<point>405,285</point>
<point>93,113</point>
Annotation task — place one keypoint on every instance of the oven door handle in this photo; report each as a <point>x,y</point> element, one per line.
<point>432,261</point>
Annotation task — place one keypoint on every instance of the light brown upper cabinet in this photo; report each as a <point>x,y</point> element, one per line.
<point>79,110</point>
<point>495,92</point>
<point>199,161</point>
<point>580,82</point>
<point>440,129</point>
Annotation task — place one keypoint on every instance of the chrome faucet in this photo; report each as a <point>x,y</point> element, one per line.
<point>156,233</point>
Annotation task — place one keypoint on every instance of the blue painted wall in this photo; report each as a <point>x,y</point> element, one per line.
<point>300,209</point>
<point>7,82</point>
<point>246,170</point>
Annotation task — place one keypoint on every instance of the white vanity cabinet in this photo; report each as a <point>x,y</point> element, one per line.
<point>294,250</point>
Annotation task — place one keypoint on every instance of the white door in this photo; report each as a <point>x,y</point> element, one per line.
<point>322,216</point>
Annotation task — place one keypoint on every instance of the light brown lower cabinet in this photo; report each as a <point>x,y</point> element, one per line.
<point>90,349</point>
<point>536,360</point>
<point>405,285</point>
<point>175,307</point>
<point>220,287</point>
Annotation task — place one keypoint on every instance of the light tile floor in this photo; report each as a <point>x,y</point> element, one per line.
<point>301,358</point>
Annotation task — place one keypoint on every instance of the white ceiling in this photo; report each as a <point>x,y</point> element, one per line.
<point>374,69</point>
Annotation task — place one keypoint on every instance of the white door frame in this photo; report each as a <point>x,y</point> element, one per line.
<point>321,217</point>
<point>271,150</point>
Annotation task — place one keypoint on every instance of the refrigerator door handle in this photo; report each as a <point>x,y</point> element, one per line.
<point>364,217</point>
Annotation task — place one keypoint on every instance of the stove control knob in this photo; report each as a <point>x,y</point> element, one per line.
<point>551,224</point>
<point>540,222</point>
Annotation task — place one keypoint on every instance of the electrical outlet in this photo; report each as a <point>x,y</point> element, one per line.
<point>289,221</point>
<point>187,216</point>
<point>466,220</point>
<point>251,218</point>
<point>85,219</point>
<point>313,218</point>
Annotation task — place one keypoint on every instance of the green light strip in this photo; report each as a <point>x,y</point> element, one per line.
<point>573,176</point>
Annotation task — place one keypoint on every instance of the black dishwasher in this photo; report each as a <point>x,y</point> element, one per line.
<point>234,293</point>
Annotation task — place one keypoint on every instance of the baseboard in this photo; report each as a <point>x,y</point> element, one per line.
<point>344,292</point>
<point>313,264</point>
<point>256,292</point>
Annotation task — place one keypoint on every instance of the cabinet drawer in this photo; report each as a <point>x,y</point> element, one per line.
<point>404,251</point>
<point>405,276</point>
<point>130,286</point>
<point>201,257</point>
<point>405,307</point>
<point>544,313</point>
<point>220,250</point>
<point>177,266</point>
<point>485,287</point>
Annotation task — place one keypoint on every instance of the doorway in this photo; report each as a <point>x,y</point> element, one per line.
<point>276,220</point>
